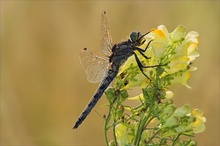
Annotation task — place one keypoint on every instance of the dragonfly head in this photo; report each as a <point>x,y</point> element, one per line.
<point>137,38</point>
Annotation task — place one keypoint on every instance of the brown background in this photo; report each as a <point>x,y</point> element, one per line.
<point>43,87</point>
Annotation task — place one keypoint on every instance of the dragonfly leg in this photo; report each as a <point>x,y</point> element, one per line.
<point>152,66</point>
<point>144,50</point>
<point>140,66</point>
<point>143,54</point>
<point>141,51</point>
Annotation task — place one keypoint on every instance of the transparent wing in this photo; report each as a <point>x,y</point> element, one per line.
<point>94,66</point>
<point>106,40</point>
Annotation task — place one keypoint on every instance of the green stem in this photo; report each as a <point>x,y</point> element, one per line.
<point>174,141</point>
<point>114,124</point>
<point>141,129</point>
<point>106,124</point>
<point>152,137</point>
<point>115,139</point>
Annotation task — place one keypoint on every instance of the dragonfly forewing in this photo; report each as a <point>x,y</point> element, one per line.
<point>94,66</point>
<point>106,40</point>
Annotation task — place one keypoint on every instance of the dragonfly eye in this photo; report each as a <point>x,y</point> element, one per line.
<point>137,38</point>
<point>134,36</point>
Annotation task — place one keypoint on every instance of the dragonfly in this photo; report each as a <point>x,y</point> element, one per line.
<point>105,69</point>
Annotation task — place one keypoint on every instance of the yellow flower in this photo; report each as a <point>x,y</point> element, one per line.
<point>182,79</point>
<point>192,40</point>
<point>160,42</point>
<point>198,125</point>
<point>178,33</point>
<point>121,134</point>
<point>176,65</point>
<point>165,31</point>
<point>173,51</point>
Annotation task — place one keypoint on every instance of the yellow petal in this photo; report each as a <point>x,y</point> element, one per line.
<point>178,33</point>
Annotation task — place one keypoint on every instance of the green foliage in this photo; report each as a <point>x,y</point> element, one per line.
<point>156,120</point>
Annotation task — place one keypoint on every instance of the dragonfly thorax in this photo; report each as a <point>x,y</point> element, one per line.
<point>137,38</point>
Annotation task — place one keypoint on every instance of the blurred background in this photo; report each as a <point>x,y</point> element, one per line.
<point>44,88</point>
